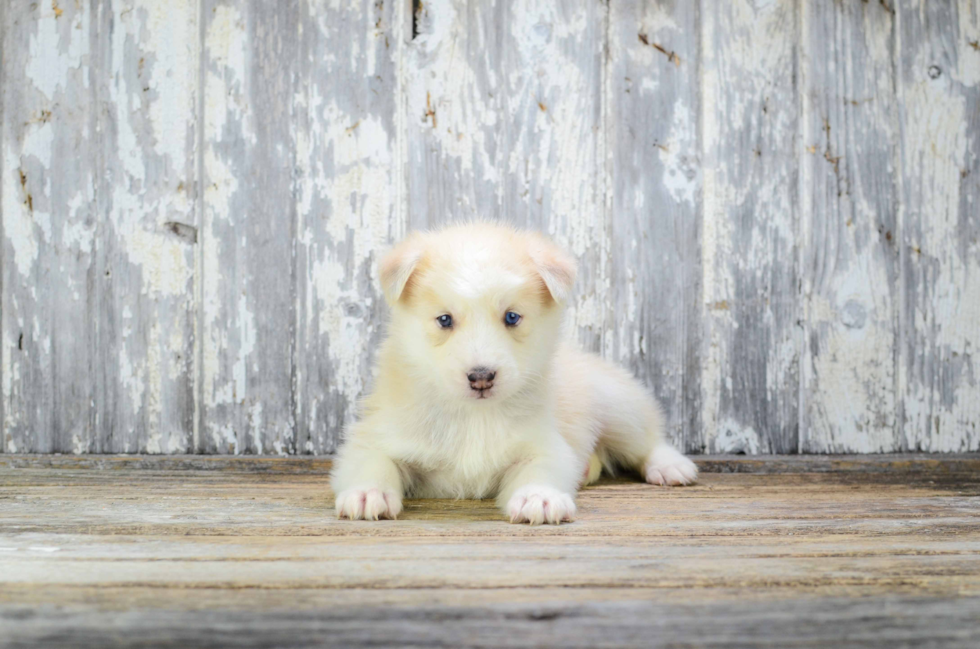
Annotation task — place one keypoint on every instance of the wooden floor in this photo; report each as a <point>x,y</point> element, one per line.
<point>197,551</point>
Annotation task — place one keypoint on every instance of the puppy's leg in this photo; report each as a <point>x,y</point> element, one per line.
<point>633,430</point>
<point>541,488</point>
<point>593,471</point>
<point>368,484</point>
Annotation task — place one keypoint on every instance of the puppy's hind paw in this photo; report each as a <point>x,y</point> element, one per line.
<point>368,503</point>
<point>537,504</point>
<point>668,466</point>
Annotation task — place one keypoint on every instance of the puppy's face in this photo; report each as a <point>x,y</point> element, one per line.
<point>476,309</point>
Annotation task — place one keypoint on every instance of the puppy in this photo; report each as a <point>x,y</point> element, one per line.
<point>477,395</point>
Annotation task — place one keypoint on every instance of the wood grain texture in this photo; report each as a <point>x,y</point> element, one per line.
<point>654,186</point>
<point>248,282</point>
<point>657,621</point>
<point>897,466</point>
<point>346,193</point>
<point>147,223</point>
<point>97,558</point>
<point>749,95</point>
<point>99,152</point>
<point>849,237</point>
<point>50,225</point>
<point>3,240</point>
<point>939,99</point>
<point>503,121</point>
<point>773,204</point>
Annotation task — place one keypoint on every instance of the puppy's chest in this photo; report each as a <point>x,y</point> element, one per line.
<point>465,462</point>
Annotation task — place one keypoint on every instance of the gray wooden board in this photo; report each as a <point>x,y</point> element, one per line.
<point>174,558</point>
<point>896,466</point>
<point>849,229</point>
<point>886,622</point>
<point>750,126</point>
<point>503,118</point>
<point>346,192</point>
<point>145,185</point>
<point>774,207</point>
<point>249,235</point>
<point>654,180</point>
<point>99,172</point>
<point>51,221</point>
<point>939,102</point>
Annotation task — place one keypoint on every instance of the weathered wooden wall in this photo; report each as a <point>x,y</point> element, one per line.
<point>775,203</point>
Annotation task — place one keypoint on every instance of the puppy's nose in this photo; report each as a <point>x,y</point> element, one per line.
<point>481,378</point>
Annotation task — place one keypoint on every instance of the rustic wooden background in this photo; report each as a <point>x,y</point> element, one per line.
<point>774,202</point>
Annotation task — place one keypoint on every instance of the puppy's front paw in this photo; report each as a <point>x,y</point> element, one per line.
<point>668,466</point>
<point>536,504</point>
<point>368,503</point>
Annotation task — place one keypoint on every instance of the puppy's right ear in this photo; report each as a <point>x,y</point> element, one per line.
<point>398,266</point>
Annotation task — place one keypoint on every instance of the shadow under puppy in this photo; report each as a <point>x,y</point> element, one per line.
<point>477,394</point>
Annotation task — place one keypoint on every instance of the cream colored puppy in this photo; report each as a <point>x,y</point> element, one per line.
<point>477,396</point>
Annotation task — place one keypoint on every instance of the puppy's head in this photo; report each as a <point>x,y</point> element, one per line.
<point>476,309</point>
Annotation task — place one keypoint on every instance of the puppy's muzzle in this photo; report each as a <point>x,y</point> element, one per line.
<point>481,379</point>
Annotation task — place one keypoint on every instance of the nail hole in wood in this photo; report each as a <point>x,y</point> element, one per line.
<point>416,14</point>
<point>186,232</point>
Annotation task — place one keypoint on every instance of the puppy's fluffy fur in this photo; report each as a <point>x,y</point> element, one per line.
<point>540,419</point>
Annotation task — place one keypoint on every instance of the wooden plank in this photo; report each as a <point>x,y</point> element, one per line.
<point>147,175</point>
<point>503,121</point>
<point>849,230</point>
<point>883,621</point>
<point>404,602</point>
<point>895,465</point>
<point>938,67</point>
<point>891,466</point>
<point>98,316</point>
<point>3,240</point>
<point>328,131</point>
<point>346,189</point>
<point>738,560</point>
<point>248,282</point>
<point>87,514</point>
<point>655,190</point>
<point>449,563</point>
<point>749,95</point>
<point>50,283</point>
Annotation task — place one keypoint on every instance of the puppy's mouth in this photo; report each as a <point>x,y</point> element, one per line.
<point>481,393</point>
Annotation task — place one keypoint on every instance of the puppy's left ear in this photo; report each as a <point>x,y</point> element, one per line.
<point>398,266</point>
<point>556,267</point>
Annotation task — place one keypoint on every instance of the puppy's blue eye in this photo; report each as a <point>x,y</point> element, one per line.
<point>445,321</point>
<point>511,319</point>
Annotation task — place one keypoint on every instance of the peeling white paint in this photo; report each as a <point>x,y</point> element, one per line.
<point>680,175</point>
<point>946,268</point>
<point>52,58</point>
<point>848,374</point>
<point>246,345</point>
<point>221,186</point>
<point>170,34</point>
<point>76,233</point>
<point>743,50</point>
<point>37,143</point>
<point>732,437</point>
<point>508,120</point>
<point>153,403</point>
<point>131,374</point>
<point>359,193</point>
<point>224,368</point>
<point>967,70</point>
<point>445,99</point>
<point>18,221</point>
